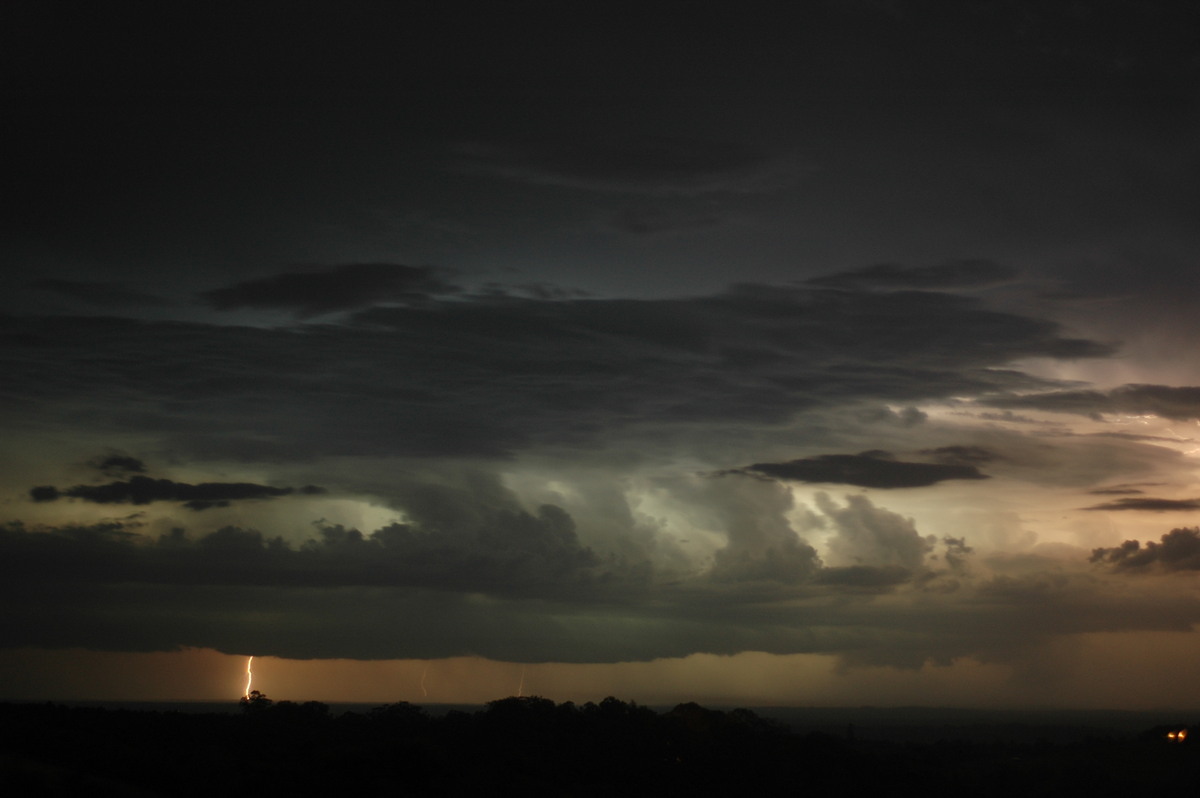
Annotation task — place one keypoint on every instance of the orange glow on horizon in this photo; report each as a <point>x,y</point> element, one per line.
<point>745,679</point>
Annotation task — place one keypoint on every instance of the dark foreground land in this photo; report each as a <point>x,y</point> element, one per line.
<point>532,746</point>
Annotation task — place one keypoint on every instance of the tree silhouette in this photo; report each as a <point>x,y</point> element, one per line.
<point>254,703</point>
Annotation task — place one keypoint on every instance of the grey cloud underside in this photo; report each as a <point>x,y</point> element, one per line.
<point>1176,403</point>
<point>865,471</point>
<point>490,376</point>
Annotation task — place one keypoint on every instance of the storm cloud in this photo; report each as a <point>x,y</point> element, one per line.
<point>575,329</point>
<point>457,388</point>
<point>866,535</point>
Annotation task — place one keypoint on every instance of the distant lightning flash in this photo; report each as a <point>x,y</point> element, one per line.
<point>521,687</point>
<point>249,675</point>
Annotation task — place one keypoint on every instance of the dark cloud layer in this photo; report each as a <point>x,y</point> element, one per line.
<point>488,376</point>
<point>512,553</point>
<point>311,293</point>
<point>948,275</point>
<point>650,220</point>
<point>862,576</point>
<point>103,294</point>
<point>144,490</point>
<point>522,588</point>
<point>1146,504</point>
<point>107,588</point>
<point>644,164</point>
<point>120,464</point>
<point>865,470</point>
<point>1178,551</point>
<point>1176,403</point>
<point>962,455</point>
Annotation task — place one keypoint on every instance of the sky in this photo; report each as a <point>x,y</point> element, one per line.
<point>835,353</point>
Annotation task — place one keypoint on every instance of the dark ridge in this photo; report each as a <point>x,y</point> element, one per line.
<point>533,746</point>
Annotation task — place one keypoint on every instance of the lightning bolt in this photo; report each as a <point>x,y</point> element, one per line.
<point>424,673</point>
<point>521,686</point>
<point>249,675</point>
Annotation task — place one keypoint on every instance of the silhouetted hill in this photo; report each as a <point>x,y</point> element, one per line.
<point>532,746</point>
